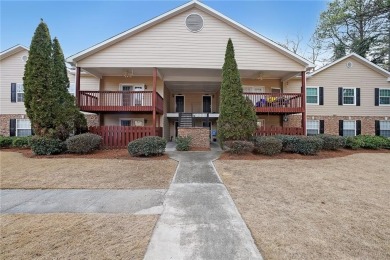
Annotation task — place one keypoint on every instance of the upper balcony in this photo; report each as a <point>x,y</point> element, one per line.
<point>119,101</point>
<point>287,103</point>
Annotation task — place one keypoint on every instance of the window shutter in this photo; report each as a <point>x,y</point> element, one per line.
<point>376,96</point>
<point>377,127</point>
<point>340,96</point>
<point>321,96</point>
<point>341,127</point>
<point>358,127</point>
<point>322,126</point>
<point>357,96</point>
<point>12,127</point>
<point>13,92</point>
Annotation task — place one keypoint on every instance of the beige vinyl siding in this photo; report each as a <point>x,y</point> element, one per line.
<point>87,82</point>
<point>193,103</point>
<point>268,84</point>
<point>338,75</point>
<point>113,119</point>
<point>112,83</point>
<point>11,71</point>
<point>170,44</point>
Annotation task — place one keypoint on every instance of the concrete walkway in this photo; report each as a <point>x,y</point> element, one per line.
<point>82,201</point>
<point>200,219</point>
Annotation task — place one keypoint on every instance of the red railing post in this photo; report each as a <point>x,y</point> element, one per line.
<point>78,72</point>
<point>303,101</point>
<point>154,95</point>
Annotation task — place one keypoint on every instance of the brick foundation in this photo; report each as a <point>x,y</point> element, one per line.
<point>92,120</point>
<point>332,122</point>
<point>200,136</point>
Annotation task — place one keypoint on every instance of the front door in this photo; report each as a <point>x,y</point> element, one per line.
<point>206,104</point>
<point>179,104</point>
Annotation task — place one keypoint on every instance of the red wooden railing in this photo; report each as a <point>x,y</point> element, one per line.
<point>119,101</point>
<point>278,130</point>
<point>117,137</point>
<point>277,102</point>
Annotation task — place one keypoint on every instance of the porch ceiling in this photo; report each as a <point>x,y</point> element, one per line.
<point>188,74</point>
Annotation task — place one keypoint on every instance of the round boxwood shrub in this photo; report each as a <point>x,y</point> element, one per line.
<point>83,143</point>
<point>308,145</point>
<point>353,143</point>
<point>147,146</point>
<point>183,143</point>
<point>268,145</point>
<point>332,142</point>
<point>46,146</point>
<point>5,141</point>
<point>21,142</point>
<point>288,142</point>
<point>239,147</point>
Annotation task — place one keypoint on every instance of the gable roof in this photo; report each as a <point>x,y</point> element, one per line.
<point>194,3</point>
<point>11,51</point>
<point>359,58</point>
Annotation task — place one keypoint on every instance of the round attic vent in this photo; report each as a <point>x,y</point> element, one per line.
<point>349,64</point>
<point>194,22</point>
<point>24,58</point>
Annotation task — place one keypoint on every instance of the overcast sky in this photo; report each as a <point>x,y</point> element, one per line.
<point>80,24</point>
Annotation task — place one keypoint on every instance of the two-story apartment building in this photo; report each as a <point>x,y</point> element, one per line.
<point>350,96</point>
<point>167,72</point>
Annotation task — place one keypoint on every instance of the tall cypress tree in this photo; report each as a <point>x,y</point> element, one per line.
<point>37,81</point>
<point>237,117</point>
<point>67,115</point>
<point>49,105</point>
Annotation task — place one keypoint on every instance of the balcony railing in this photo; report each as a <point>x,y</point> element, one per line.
<point>278,130</point>
<point>277,102</point>
<point>119,101</point>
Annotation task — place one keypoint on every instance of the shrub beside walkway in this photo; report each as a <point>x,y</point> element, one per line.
<point>200,220</point>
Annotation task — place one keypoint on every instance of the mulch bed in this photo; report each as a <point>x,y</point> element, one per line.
<point>122,154</point>
<point>295,156</point>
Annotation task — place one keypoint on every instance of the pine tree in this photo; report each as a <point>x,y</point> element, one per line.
<point>237,118</point>
<point>38,98</point>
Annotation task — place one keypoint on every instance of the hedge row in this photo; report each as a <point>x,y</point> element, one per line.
<point>15,141</point>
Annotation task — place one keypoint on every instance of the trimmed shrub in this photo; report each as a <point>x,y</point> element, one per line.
<point>183,143</point>
<point>268,145</point>
<point>46,146</point>
<point>239,147</point>
<point>308,145</point>
<point>332,142</point>
<point>21,142</point>
<point>5,141</point>
<point>83,143</point>
<point>147,146</point>
<point>351,142</point>
<point>288,142</point>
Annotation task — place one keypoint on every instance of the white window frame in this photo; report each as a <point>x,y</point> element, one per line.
<point>18,86</point>
<point>17,123</point>
<point>380,97</point>
<point>354,96</point>
<point>307,126</point>
<point>318,96</point>
<point>132,121</point>
<point>349,129</point>
<point>260,122</point>
<point>380,128</point>
<point>73,93</point>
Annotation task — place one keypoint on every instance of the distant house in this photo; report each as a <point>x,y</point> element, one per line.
<point>13,118</point>
<point>350,96</point>
<point>166,73</point>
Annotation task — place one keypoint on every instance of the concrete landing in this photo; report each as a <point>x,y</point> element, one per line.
<point>82,201</point>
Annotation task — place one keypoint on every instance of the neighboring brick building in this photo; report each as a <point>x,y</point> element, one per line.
<point>350,96</point>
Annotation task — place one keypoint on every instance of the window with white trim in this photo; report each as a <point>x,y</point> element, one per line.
<point>260,123</point>
<point>72,89</point>
<point>23,127</point>
<point>349,128</point>
<point>384,127</point>
<point>312,94</point>
<point>19,92</point>
<point>131,121</point>
<point>312,127</point>
<point>384,96</point>
<point>349,96</point>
